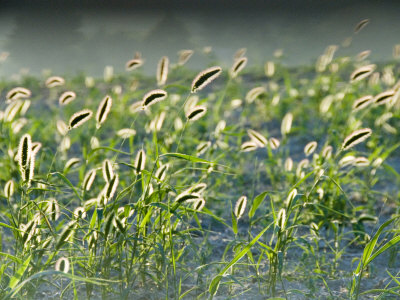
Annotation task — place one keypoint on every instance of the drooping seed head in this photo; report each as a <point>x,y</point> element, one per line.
<point>79,213</point>
<point>362,102</point>
<point>62,265</point>
<point>184,56</point>
<point>25,106</point>
<point>187,197</point>
<point>362,72</point>
<point>326,104</point>
<point>239,53</point>
<point>12,110</point>
<point>347,160</point>
<point>88,180</point>
<point>71,163</point>
<point>161,172</point>
<point>310,148</point>
<point>62,128</point>
<point>135,107</point>
<point>257,138</point>
<point>363,55</point>
<point>133,64</point>
<point>126,133</point>
<point>356,137</point>
<point>80,117</point>
<point>384,97</point>
<point>290,198</point>
<point>203,147</point>
<point>36,146</point>
<point>153,97</point>
<point>361,161</point>
<point>204,78</point>
<point>248,146</point>
<point>360,25</point>
<point>196,113</point>
<point>254,93</point>
<point>198,188</point>
<point>54,81</point>
<point>67,97</point>
<point>199,204</point>
<point>18,93</point>
<point>238,66</point>
<point>274,143</point>
<point>327,152</point>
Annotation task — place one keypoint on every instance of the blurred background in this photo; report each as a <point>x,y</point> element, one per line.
<point>73,36</point>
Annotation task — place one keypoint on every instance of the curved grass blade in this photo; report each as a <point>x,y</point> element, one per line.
<point>66,180</point>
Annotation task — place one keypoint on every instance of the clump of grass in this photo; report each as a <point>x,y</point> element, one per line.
<point>254,184</point>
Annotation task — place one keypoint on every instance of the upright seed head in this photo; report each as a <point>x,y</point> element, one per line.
<point>107,169</point>
<point>240,207</point>
<point>103,110</point>
<point>140,161</point>
<point>162,70</point>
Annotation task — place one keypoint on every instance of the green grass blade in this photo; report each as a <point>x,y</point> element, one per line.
<point>213,288</point>
<point>256,203</point>
<point>20,272</point>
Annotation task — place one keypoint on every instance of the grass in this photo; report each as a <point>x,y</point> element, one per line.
<point>233,186</point>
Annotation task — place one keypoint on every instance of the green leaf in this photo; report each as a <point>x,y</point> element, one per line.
<point>213,288</point>
<point>385,247</point>
<point>96,281</point>
<point>234,222</point>
<point>12,257</point>
<point>109,149</point>
<point>20,272</point>
<point>256,203</point>
<point>371,245</point>
<point>8,226</point>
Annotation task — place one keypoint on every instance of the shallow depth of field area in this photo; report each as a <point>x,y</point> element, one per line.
<point>240,182</point>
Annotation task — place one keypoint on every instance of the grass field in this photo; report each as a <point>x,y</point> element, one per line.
<point>241,183</point>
